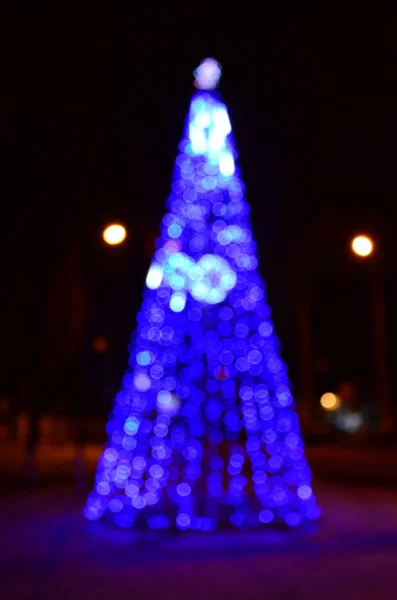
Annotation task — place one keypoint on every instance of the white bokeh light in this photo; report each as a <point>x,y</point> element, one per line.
<point>207,74</point>
<point>154,276</point>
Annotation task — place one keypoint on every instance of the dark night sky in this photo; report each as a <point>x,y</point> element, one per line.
<point>93,105</point>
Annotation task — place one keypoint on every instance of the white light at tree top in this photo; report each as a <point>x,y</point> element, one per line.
<point>207,74</point>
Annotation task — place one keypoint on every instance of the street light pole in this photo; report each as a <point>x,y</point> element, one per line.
<point>363,246</point>
<point>386,421</point>
<point>304,338</point>
<point>305,355</point>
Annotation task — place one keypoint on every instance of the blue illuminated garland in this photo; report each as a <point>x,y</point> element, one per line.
<point>204,430</point>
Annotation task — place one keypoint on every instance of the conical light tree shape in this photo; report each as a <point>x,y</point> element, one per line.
<point>204,430</point>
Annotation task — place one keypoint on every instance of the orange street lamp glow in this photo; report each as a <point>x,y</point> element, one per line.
<point>114,234</point>
<point>330,401</point>
<point>362,245</point>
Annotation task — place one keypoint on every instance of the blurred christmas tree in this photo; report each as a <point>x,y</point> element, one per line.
<point>204,430</point>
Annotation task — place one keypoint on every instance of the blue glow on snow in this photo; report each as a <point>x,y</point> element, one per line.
<point>204,429</point>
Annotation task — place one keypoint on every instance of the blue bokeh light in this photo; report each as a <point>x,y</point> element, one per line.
<point>204,428</point>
